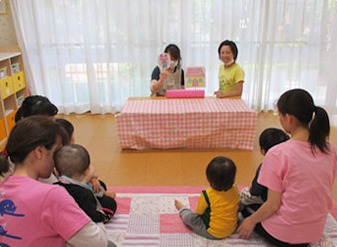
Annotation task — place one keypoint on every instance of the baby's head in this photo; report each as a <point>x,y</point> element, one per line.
<point>220,173</point>
<point>72,160</point>
<point>271,137</point>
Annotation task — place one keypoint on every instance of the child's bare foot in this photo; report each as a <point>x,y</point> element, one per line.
<point>178,204</point>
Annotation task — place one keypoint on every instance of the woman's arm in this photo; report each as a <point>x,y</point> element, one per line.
<point>236,92</point>
<point>156,84</point>
<point>157,80</point>
<point>265,211</point>
<point>90,235</point>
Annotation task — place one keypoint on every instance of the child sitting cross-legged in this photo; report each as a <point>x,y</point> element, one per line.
<point>72,162</point>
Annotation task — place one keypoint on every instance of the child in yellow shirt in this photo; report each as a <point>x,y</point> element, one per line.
<point>216,215</point>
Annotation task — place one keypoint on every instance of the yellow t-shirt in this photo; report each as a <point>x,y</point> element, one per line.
<point>224,211</point>
<point>229,77</point>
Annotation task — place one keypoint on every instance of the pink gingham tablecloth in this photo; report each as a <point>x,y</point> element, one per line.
<point>186,123</point>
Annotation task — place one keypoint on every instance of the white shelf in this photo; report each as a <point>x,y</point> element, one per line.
<point>8,55</point>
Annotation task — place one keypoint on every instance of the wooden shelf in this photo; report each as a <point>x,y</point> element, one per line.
<point>12,89</point>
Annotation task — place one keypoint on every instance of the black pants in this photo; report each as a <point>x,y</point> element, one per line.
<point>108,203</point>
<point>262,232</point>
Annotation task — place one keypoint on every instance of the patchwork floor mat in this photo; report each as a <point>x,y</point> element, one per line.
<point>146,216</point>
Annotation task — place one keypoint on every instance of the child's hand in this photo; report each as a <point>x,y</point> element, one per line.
<point>110,193</point>
<point>90,175</point>
<point>96,186</point>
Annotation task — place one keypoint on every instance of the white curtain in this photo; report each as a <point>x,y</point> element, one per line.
<point>91,55</point>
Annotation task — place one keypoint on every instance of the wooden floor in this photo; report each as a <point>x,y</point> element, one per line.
<point>178,167</point>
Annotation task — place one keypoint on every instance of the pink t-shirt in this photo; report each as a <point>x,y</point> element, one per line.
<point>306,183</point>
<point>36,214</point>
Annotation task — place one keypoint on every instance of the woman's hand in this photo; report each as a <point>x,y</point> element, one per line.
<point>265,211</point>
<point>156,84</point>
<point>236,93</point>
<point>246,228</point>
<point>163,76</point>
<point>219,94</point>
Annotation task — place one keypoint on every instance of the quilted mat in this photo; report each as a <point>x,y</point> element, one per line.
<point>146,216</point>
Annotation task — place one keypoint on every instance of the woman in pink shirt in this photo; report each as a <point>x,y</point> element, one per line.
<point>33,213</point>
<point>299,175</point>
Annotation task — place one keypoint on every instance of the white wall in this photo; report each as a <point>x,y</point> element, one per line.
<point>8,36</point>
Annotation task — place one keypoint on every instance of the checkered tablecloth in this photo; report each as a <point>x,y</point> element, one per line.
<point>186,123</point>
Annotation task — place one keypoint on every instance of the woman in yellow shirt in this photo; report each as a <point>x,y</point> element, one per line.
<point>231,75</point>
<point>216,215</point>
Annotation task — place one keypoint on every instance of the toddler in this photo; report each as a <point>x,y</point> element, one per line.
<point>252,198</point>
<point>216,215</point>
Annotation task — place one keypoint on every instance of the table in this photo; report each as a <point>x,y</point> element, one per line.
<point>150,123</point>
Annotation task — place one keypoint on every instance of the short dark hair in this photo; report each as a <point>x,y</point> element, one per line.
<point>271,137</point>
<point>35,105</point>
<point>71,160</point>
<point>174,51</point>
<point>220,173</point>
<point>232,46</point>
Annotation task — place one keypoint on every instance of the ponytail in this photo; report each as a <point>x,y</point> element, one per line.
<point>299,103</point>
<point>319,129</point>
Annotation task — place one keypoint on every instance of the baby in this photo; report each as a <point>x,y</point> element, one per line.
<point>72,163</point>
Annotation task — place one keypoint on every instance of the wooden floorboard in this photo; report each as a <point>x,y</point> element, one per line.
<point>177,167</point>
